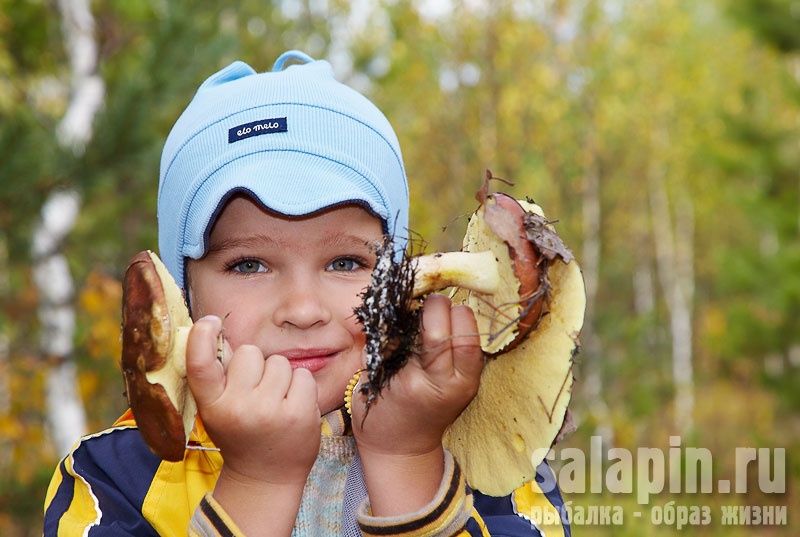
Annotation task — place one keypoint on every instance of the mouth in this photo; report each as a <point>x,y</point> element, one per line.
<point>311,359</point>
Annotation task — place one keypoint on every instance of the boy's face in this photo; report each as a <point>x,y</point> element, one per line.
<point>290,286</point>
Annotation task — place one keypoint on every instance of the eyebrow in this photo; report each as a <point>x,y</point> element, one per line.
<point>250,241</point>
<point>346,239</point>
<point>337,239</point>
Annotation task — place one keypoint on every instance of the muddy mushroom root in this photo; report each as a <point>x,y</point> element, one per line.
<point>155,328</point>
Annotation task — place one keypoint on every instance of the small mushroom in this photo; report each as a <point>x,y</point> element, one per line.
<point>155,328</point>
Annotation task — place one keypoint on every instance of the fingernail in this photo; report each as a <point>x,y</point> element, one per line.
<point>211,319</point>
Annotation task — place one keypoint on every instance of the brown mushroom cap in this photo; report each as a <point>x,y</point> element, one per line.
<point>507,429</point>
<point>506,317</point>
<point>155,324</point>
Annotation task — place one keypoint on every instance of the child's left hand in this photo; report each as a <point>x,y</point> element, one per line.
<point>406,423</point>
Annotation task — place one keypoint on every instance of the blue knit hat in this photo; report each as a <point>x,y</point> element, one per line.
<point>294,139</point>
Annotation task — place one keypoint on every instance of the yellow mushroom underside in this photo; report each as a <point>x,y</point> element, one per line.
<point>493,312</point>
<point>173,375</point>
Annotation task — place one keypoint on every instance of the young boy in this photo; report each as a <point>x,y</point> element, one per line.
<point>273,187</point>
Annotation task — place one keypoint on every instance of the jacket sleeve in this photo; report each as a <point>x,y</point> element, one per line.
<point>444,516</point>
<point>100,486</point>
<point>534,509</point>
<point>458,511</point>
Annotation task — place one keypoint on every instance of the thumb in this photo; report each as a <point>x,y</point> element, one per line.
<point>204,371</point>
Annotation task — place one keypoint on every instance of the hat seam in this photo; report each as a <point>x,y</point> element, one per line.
<point>200,131</point>
<point>199,184</point>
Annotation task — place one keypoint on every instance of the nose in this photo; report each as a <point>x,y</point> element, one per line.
<point>301,304</point>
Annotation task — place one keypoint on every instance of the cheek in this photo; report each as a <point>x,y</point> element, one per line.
<point>356,330</point>
<point>332,381</point>
<point>197,306</point>
<point>237,327</point>
<point>345,303</point>
<point>197,292</point>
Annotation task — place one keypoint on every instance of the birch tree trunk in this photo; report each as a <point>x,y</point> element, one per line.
<point>674,244</point>
<point>51,275</point>
<point>53,280</point>
<point>590,265</point>
<point>87,89</point>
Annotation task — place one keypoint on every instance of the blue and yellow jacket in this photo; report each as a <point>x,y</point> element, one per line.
<point>111,484</point>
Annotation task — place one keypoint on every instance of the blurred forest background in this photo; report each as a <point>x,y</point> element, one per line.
<point>664,135</point>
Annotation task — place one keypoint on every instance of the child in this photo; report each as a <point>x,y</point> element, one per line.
<point>273,187</point>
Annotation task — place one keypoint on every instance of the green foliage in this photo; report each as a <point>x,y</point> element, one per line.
<point>29,31</point>
<point>23,499</point>
<point>548,97</point>
<point>775,21</point>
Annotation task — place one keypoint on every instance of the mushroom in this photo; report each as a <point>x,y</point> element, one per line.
<point>528,299</point>
<point>522,402</point>
<point>501,273</point>
<point>508,314</point>
<point>155,328</point>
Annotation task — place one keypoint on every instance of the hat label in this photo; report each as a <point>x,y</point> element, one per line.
<point>257,128</point>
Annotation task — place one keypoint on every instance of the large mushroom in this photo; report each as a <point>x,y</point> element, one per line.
<point>155,328</point>
<point>529,300</point>
<point>521,405</point>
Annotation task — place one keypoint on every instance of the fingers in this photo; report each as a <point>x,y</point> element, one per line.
<point>302,392</point>
<point>205,374</point>
<point>467,352</point>
<point>450,339</point>
<point>435,334</point>
<point>276,376</point>
<point>244,370</point>
<point>224,351</point>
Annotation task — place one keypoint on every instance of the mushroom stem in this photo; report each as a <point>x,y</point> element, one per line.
<point>477,271</point>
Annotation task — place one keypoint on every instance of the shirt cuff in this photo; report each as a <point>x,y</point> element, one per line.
<point>211,520</point>
<point>444,516</point>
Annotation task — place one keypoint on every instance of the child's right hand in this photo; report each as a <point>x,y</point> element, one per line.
<point>261,414</point>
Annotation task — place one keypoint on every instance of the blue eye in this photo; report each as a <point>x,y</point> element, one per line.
<point>343,264</point>
<point>248,266</point>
